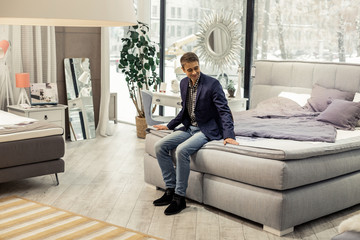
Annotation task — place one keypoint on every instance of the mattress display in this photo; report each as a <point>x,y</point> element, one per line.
<point>14,128</point>
<point>280,149</point>
<point>278,174</point>
<point>27,141</point>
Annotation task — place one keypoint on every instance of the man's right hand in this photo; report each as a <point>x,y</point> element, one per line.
<point>161,127</point>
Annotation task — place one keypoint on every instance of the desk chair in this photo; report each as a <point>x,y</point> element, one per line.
<point>150,118</point>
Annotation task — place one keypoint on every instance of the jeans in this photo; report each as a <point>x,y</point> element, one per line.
<point>186,143</point>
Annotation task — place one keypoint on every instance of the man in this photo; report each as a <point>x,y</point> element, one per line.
<point>205,116</point>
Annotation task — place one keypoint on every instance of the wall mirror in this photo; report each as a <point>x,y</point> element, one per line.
<point>219,40</point>
<point>79,97</point>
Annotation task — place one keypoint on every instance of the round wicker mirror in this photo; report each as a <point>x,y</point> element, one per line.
<point>218,40</point>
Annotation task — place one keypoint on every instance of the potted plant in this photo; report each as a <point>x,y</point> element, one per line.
<point>231,88</point>
<point>138,61</point>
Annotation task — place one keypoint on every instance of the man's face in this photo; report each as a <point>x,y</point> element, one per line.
<point>192,70</point>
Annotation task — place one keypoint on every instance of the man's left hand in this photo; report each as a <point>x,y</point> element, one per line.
<point>231,141</point>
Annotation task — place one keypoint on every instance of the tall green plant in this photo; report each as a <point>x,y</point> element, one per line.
<point>138,61</point>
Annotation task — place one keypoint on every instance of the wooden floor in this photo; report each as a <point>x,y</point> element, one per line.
<point>104,180</point>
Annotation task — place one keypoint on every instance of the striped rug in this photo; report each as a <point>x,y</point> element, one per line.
<point>25,219</point>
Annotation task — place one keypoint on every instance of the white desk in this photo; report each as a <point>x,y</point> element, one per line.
<point>167,99</point>
<point>174,100</point>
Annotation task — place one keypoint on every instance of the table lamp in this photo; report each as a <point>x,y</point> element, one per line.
<point>23,81</point>
<point>5,73</point>
<point>4,45</point>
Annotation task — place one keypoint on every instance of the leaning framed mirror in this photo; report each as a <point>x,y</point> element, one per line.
<point>79,97</point>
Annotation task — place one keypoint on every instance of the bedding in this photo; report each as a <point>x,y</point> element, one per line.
<point>7,119</point>
<point>299,98</point>
<point>342,114</point>
<point>321,97</point>
<point>282,118</point>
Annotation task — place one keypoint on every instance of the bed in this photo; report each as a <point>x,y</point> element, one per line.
<point>29,148</point>
<point>277,182</point>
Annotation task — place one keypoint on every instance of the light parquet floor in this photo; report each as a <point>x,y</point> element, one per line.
<point>104,180</point>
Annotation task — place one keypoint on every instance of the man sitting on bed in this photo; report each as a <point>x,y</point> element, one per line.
<point>205,116</point>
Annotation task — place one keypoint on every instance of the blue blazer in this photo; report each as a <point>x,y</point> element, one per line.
<point>212,112</point>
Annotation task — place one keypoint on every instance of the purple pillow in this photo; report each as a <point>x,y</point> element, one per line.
<point>342,114</point>
<point>321,97</point>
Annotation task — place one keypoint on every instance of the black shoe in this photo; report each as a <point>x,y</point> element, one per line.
<point>176,206</point>
<point>166,198</point>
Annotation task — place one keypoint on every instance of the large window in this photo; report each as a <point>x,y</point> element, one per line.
<point>182,24</point>
<point>126,111</point>
<point>307,30</point>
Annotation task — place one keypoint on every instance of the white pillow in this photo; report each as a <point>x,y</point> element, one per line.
<point>299,98</point>
<point>357,97</point>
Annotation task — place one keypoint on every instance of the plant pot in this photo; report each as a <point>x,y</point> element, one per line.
<point>141,127</point>
<point>231,93</point>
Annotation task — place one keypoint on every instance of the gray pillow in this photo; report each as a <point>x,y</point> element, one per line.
<point>342,114</point>
<point>321,97</point>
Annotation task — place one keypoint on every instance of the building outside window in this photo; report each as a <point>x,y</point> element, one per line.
<point>307,30</point>
<point>190,12</point>
<point>178,31</point>
<point>173,9</point>
<point>178,12</point>
<point>154,12</point>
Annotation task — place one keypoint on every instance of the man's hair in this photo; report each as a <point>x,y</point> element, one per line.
<point>188,58</point>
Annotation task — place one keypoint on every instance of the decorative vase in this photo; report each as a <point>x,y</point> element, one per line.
<point>141,127</point>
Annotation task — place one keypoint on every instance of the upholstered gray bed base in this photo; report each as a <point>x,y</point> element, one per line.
<point>279,194</point>
<point>32,170</point>
<point>282,209</point>
<point>31,157</point>
<point>279,210</point>
<point>31,150</point>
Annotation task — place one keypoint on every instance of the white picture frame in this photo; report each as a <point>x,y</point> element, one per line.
<point>43,93</point>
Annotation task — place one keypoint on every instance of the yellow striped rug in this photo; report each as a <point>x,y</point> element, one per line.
<point>21,218</point>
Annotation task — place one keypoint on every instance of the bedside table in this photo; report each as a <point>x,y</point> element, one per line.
<point>51,113</point>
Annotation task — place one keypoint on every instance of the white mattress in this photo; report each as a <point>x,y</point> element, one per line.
<point>290,149</point>
<point>282,149</point>
<point>9,119</point>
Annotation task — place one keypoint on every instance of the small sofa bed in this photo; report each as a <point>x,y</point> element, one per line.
<point>29,148</point>
<point>279,183</point>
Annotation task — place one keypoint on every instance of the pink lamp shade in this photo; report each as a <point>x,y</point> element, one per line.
<point>22,80</point>
<point>4,45</point>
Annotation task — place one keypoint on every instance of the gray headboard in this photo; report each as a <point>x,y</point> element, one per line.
<point>273,77</point>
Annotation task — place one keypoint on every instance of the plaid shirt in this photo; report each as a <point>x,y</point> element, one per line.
<point>190,101</point>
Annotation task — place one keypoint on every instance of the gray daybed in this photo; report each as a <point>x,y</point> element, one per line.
<point>278,183</point>
<point>30,149</point>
